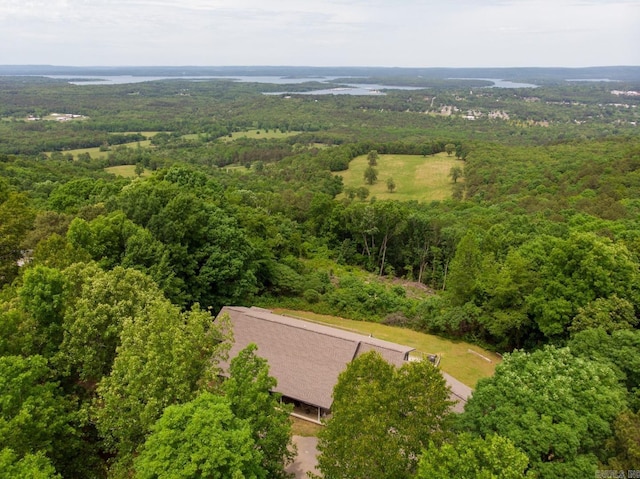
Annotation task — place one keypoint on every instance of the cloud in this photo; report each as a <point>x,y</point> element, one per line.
<point>330,32</point>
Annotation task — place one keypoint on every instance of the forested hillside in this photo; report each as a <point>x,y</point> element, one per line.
<point>108,350</point>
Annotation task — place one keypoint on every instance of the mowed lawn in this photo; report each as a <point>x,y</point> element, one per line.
<point>416,177</point>
<point>464,361</point>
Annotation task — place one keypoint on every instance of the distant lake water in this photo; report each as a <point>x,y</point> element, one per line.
<point>126,79</point>
<point>499,83</point>
<point>591,80</point>
<point>349,89</point>
<point>345,89</point>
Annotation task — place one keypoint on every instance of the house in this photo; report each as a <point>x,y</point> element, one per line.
<point>306,358</point>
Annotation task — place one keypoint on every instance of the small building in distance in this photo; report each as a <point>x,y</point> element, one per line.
<point>306,358</point>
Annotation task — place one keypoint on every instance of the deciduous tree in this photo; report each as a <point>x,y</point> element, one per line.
<point>554,406</point>
<point>200,439</point>
<point>391,185</point>
<point>372,158</point>
<point>370,175</point>
<point>164,358</point>
<point>16,218</point>
<point>248,390</point>
<point>33,466</point>
<point>455,173</point>
<point>472,457</point>
<point>382,418</point>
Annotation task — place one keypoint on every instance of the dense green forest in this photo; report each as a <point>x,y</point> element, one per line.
<point>108,350</point>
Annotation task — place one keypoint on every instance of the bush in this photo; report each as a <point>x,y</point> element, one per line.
<point>311,296</point>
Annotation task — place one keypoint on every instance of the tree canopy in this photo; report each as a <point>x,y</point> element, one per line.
<point>552,405</point>
<point>200,439</point>
<point>382,418</point>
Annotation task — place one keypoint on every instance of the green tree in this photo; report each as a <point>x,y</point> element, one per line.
<point>473,458</point>
<point>103,301</point>
<point>449,148</point>
<point>389,218</point>
<point>362,193</point>
<point>207,250</point>
<point>32,466</point>
<point>248,390</point>
<point>465,270</point>
<point>35,418</point>
<point>43,297</point>
<point>350,192</point>
<point>113,240</point>
<point>462,152</point>
<point>455,173</point>
<point>618,350</point>
<point>391,185</point>
<point>609,314</point>
<point>574,272</point>
<point>624,446</point>
<point>370,175</point>
<point>200,439</point>
<point>45,224</point>
<point>372,158</point>
<point>555,407</point>
<point>56,252</point>
<point>165,357</point>
<point>16,218</point>
<point>139,169</point>
<point>382,418</point>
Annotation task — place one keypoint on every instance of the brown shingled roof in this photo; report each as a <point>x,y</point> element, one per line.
<point>306,358</point>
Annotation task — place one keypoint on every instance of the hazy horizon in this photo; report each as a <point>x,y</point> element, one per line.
<point>381,33</point>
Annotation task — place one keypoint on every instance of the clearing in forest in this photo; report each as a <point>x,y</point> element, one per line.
<point>97,152</point>
<point>416,177</point>
<point>257,134</point>
<point>126,171</point>
<point>464,361</point>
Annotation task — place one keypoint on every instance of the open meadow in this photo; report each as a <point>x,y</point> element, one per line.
<point>257,134</point>
<point>97,153</point>
<point>466,362</point>
<point>416,177</point>
<point>127,171</point>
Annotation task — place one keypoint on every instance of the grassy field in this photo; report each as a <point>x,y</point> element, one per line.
<point>258,134</point>
<point>300,427</point>
<point>457,357</point>
<point>96,153</point>
<point>416,177</point>
<point>126,171</point>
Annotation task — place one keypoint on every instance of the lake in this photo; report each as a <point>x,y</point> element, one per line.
<point>344,89</point>
<point>500,83</point>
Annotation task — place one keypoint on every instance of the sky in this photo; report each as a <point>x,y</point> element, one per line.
<point>388,33</point>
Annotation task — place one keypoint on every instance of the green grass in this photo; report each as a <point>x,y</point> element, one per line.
<point>96,153</point>
<point>147,134</point>
<point>191,136</point>
<point>457,359</point>
<point>259,134</point>
<point>416,177</point>
<point>300,427</point>
<point>126,171</point>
